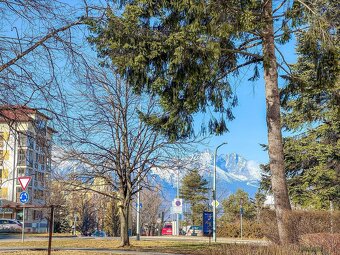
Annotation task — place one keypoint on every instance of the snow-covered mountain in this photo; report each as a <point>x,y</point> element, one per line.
<point>232,172</point>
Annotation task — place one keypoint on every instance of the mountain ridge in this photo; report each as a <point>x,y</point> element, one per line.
<point>232,172</point>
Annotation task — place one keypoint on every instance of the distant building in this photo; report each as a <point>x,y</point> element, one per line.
<point>25,150</point>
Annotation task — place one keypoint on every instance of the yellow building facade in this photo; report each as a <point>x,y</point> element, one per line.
<point>25,150</point>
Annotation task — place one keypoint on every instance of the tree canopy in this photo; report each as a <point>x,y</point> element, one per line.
<point>232,205</point>
<point>184,52</point>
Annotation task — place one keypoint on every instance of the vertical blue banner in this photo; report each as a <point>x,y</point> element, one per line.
<point>207,223</point>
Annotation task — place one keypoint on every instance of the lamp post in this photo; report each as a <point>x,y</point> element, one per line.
<point>214,193</point>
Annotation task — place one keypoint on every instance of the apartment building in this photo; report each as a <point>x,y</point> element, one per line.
<point>25,150</point>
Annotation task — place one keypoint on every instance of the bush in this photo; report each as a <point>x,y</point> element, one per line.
<point>326,241</point>
<point>251,229</point>
<point>302,222</point>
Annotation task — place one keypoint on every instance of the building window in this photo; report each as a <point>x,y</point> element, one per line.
<point>38,194</point>
<point>21,172</point>
<point>1,157</point>
<point>2,139</point>
<point>30,158</point>
<point>21,157</point>
<point>22,140</point>
<point>41,159</point>
<point>40,124</point>
<point>30,136</point>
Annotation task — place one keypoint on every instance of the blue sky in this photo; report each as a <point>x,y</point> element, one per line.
<point>248,130</point>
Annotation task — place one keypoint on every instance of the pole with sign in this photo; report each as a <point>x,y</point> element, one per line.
<point>23,225</point>
<point>24,197</point>
<point>178,203</point>
<point>241,216</point>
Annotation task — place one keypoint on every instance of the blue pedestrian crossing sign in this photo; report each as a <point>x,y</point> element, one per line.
<point>24,197</point>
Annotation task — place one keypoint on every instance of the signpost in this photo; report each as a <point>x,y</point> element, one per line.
<point>215,202</point>
<point>177,206</point>
<point>24,197</point>
<point>24,181</point>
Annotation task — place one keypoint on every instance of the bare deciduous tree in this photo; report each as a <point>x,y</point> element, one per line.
<point>114,148</point>
<point>151,203</point>
<point>41,45</point>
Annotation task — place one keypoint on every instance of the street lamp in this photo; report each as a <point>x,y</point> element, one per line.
<point>214,193</point>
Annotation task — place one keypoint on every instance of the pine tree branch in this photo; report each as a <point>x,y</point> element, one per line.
<point>284,60</point>
<point>245,53</point>
<point>308,7</point>
<point>234,69</point>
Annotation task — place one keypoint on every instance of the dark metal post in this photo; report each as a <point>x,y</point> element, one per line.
<point>50,230</point>
<point>241,216</point>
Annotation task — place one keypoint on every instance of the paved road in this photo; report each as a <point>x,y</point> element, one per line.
<point>12,237</point>
<point>206,239</point>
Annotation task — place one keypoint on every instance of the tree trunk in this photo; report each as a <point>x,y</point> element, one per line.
<point>276,156</point>
<point>124,224</point>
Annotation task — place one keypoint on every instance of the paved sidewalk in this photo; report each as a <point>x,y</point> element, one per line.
<point>110,251</point>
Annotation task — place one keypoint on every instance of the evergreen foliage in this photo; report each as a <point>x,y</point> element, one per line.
<point>232,205</point>
<point>62,226</point>
<point>194,191</point>
<point>182,52</point>
<point>311,113</point>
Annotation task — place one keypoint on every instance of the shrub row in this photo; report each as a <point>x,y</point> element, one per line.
<point>302,223</point>
<point>229,249</point>
<point>328,243</point>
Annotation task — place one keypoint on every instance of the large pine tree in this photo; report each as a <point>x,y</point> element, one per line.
<point>183,51</point>
<point>311,112</point>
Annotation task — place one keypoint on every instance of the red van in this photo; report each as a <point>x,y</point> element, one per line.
<point>167,230</point>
